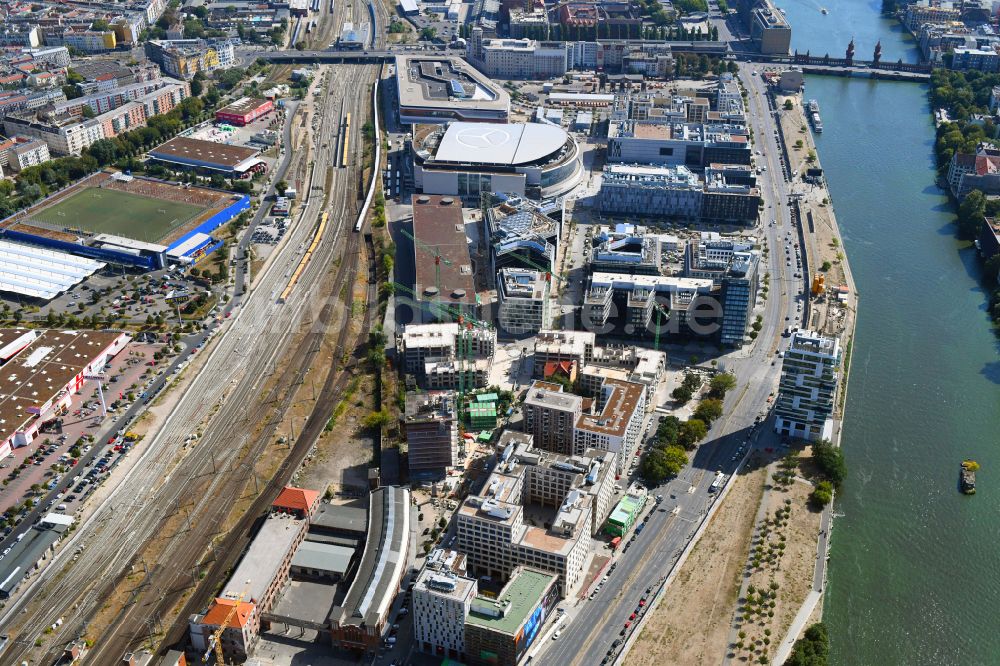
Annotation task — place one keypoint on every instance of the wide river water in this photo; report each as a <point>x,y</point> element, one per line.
<point>914,565</point>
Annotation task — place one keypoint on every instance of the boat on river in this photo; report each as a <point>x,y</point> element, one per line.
<point>967,477</point>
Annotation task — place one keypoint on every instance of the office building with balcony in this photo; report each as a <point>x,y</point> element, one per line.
<point>523,297</point>
<point>810,374</point>
<point>537,509</point>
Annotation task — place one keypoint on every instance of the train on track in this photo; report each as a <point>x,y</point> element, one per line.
<point>297,275</point>
<point>346,144</point>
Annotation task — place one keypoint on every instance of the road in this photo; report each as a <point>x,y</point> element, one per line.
<point>171,480</point>
<point>594,625</point>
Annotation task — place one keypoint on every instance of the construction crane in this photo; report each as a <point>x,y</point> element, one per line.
<point>438,259</point>
<point>660,310</point>
<point>549,273</point>
<point>216,641</point>
<point>463,344</point>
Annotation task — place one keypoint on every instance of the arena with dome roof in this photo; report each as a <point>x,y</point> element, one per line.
<point>464,159</point>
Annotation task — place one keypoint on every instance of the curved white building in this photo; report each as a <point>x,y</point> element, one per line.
<point>533,160</point>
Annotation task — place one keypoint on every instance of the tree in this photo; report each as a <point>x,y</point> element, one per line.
<point>428,33</point>
<point>378,419</point>
<point>825,266</point>
<point>667,431</point>
<point>281,187</point>
<point>681,394</point>
<point>708,410</point>
<point>691,432</point>
<point>821,495</point>
<point>660,464</point>
<point>813,649</point>
<point>971,214</point>
<point>789,105</point>
<point>721,384</point>
<point>830,460</point>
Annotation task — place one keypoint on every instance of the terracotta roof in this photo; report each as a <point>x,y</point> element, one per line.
<point>987,164</point>
<point>297,499</point>
<point>564,368</point>
<point>220,609</point>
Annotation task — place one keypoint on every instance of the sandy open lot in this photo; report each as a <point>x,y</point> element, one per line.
<point>691,625</point>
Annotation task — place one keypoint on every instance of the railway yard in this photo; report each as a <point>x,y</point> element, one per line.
<point>150,553</point>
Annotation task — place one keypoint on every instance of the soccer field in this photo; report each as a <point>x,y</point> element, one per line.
<point>104,211</point>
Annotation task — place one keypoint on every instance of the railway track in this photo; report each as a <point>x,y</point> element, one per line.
<point>223,400</point>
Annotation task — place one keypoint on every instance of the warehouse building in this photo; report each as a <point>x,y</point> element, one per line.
<point>43,371</point>
<point>209,157</point>
<point>40,273</point>
<point>446,287</point>
<point>361,619</point>
<point>244,111</point>
<point>26,554</point>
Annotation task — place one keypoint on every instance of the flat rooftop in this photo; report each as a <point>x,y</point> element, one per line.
<point>618,409</point>
<point>509,144</point>
<point>430,82</point>
<point>244,105</point>
<point>189,150</point>
<point>36,365</point>
<point>516,602</point>
<point>263,558</point>
<point>323,557</point>
<point>438,224</point>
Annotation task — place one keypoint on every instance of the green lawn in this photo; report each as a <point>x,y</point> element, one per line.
<point>103,211</point>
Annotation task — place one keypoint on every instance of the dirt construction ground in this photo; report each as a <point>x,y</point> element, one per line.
<point>691,625</point>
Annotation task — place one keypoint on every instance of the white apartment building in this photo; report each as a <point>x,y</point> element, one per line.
<point>442,597</point>
<point>810,373</point>
<point>518,58</point>
<point>437,353</point>
<point>69,138</point>
<point>536,510</point>
<point>617,427</point>
<point>26,153</point>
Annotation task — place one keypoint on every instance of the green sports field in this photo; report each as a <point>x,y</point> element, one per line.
<point>103,211</point>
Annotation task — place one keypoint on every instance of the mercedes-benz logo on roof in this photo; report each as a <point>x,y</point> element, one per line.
<point>482,137</point>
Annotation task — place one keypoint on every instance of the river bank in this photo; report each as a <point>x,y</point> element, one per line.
<point>925,374</point>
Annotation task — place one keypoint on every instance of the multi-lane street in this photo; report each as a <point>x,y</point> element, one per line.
<point>177,485</point>
<point>592,626</point>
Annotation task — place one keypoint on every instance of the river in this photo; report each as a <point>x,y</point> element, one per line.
<point>912,576</point>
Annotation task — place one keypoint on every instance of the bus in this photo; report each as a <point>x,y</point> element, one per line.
<point>720,478</point>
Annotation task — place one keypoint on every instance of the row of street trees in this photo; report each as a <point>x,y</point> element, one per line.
<point>674,438</point>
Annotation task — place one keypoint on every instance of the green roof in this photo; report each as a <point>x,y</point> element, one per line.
<point>625,510</point>
<point>487,397</point>
<point>524,592</point>
<point>483,410</point>
<point>485,436</point>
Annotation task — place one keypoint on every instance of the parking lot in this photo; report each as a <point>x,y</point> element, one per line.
<point>30,471</point>
<point>128,297</point>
